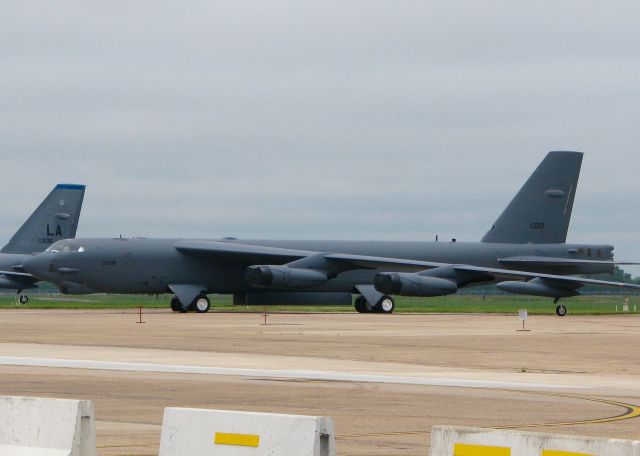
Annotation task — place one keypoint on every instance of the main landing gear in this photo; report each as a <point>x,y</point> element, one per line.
<point>23,299</point>
<point>385,305</point>
<point>201,304</point>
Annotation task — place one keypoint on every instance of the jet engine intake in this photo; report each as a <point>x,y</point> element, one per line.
<point>284,277</point>
<point>411,284</point>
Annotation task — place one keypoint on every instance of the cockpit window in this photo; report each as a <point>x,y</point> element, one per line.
<point>64,247</point>
<point>54,248</point>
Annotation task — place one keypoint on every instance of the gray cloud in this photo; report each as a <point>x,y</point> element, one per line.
<point>360,119</point>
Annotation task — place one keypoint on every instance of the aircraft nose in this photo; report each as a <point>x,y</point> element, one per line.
<point>37,265</point>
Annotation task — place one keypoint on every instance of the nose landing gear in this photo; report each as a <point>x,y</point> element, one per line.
<point>561,310</point>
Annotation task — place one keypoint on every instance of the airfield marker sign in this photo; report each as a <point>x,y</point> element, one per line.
<point>523,314</point>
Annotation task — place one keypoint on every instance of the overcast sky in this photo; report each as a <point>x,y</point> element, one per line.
<point>332,119</point>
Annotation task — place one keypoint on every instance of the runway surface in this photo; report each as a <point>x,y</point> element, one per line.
<point>267,373</point>
<point>384,379</point>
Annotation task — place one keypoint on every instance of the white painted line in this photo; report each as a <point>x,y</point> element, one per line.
<point>270,373</point>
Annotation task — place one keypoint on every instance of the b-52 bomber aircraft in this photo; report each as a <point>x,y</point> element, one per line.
<point>523,252</point>
<point>54,219</point>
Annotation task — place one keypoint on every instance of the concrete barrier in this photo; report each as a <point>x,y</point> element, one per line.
<point>32,426</point>
<point>462,441</point>
<point>188,432</point>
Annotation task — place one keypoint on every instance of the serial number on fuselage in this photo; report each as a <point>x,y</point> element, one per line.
<point>108,262</point>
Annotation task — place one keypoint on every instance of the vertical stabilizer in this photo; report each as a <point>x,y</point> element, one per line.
<point>541,211</point>
<point>56,218</point>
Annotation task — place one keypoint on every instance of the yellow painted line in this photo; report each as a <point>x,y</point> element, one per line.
<point>380,434</point>
<point>563,453</point>
<point>462,449</point>
<point>248,440</point>
<point>631,411</point>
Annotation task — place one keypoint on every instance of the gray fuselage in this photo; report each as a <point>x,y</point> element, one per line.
<point>141,265</point>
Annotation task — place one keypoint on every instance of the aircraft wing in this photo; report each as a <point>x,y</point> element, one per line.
<point>243,253</point>
<point>17,280</point>
<point>259,254</point>
<point>332,263</point>
<point>567,281</point>
<point>481,271</point>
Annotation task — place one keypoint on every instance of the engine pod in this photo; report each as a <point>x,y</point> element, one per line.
<point>411,284</point>
<point>268,276</point>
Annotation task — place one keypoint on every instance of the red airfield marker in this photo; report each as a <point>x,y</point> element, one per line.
<point>140,312</point>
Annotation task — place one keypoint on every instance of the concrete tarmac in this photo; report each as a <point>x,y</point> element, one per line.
<point>385,379</point>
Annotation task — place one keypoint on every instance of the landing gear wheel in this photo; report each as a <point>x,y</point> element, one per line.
<point>202,304</point>
<point>385,305</point>
<point>361,304</point>
<point>23,299</point>
<point>561,310</point>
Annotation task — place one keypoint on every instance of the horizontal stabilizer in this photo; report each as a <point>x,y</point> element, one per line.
<point>561,265</point>
<point>552,261</point>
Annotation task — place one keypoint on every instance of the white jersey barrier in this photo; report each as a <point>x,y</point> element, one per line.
<point>188,432</point>
<point>463,441</point>
<point>31,426</point>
